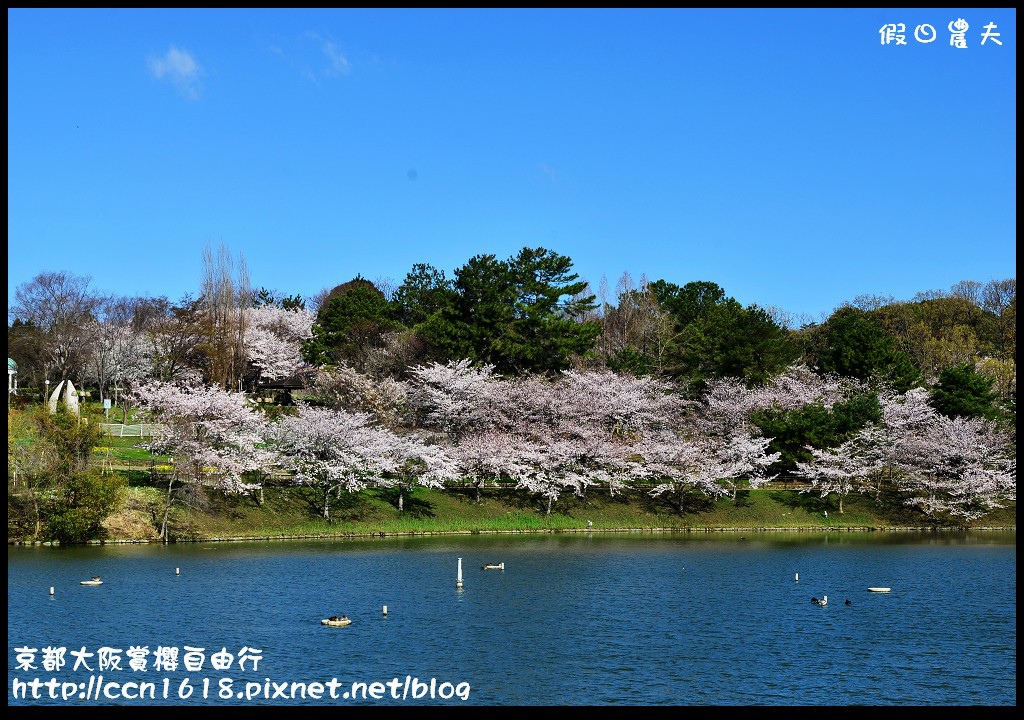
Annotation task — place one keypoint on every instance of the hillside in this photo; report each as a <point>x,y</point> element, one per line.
<point>289,512</point>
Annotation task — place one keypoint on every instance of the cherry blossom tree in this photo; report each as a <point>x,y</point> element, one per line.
<point>904,415</point>
<point>799,386</point>
<point>580,428</point>
<point>344,388</point>
<point>333,451</point>
<point>726,406</point>
<point>494,429</point>
<point>453,397</point>
<point>212,434</point>
<point>262,459</point>
<point>679,465</point>
<point>118,356</point>
<point>273,339</point>
<point>553,468</point>
<point>723,419</point>
<point>958,466</point>
<point>621,404</point>
<point>492,455</point>
<point>849,466</point>
<point>420,464</point>
<point>743,459</point>
<point>548,435</point>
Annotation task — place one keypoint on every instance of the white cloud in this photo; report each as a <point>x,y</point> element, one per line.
<point>339,64</point>
<point>311,55</point>
<point>181,69</point>
<point>549,171</point>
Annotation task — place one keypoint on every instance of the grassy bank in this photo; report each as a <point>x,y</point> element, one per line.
<point>291,512</point>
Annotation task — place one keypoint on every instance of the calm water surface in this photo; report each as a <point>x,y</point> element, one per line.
<point>638,619</point>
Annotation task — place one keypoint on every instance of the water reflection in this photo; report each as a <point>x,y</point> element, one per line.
<point>681,619</point>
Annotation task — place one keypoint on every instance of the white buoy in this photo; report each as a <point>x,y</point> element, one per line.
<point>458,580</point>
<point>797,577</point>
<point>385,611</point>
<point>177,571</point>
<point>51,589</point>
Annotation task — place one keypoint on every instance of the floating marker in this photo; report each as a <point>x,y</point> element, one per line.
<point>51,589</point>
<point>458,579</point>
<point>796,578</point>
<point>177,571</point>
<point>385,611</point>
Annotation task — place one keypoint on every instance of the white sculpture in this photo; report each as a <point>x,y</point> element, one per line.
<point>70,396</point>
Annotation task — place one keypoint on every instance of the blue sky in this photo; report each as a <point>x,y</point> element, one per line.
<point>787,155</point>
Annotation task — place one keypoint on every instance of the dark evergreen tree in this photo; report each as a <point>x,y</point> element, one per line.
<point>424,292</point>
<point>851,344</point>
<point>715,336</point>
<point>814,425</point>
<point>522,315</point>
<point>351,321</point>
<point>961,391</point>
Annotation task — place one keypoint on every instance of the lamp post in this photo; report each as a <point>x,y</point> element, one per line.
<point>46,393</point>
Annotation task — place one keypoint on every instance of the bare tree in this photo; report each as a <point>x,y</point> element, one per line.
<point>174,336</point>
<point>60,305</point>
<point>224,296</point>
<point>998,295</point>
<point>636,324</point>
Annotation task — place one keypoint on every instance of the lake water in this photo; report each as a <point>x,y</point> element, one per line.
<point>573,619</point>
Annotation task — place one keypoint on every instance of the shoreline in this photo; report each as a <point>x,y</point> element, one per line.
<point>552,531</point>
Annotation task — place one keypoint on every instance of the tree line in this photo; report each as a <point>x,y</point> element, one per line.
<point>515,370</point>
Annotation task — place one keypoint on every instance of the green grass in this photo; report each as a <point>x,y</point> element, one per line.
<point>290,512</point>
<point>123,454</point>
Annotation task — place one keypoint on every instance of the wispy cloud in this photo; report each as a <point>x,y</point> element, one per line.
<point>180,68</point>
<point>337,62</point>
<point>313,56</point>
<point>552,174</point>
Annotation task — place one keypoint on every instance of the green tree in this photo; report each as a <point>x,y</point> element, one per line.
<point>851,344</point>
<point>56,494</point>
<point>794,432</point>
<point>76,512</point>
<point>715,336</point>
<point>264,297</point>
<point>690,301</point>
<point>424,292</point>
<point>522,315</point>
<point>293,302</point>
<point>550,307</point>
<point>350,324</point>
<point>961,391</point>
<point>732,341</point>
<point>482,311</point>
